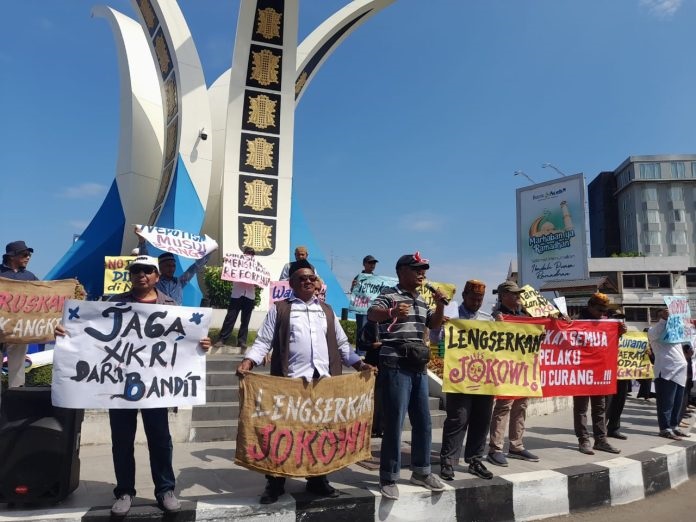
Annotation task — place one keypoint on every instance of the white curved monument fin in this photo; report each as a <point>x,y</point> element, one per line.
<point>313,51</point>
<point>141,135</point>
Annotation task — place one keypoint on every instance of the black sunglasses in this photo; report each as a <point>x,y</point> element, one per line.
<point>139,268</point>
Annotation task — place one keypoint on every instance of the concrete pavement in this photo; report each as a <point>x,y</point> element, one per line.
<point>213,488</point>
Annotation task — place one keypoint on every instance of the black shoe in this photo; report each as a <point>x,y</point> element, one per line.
<point>617,435</point>
<point>321,487</point>
<point>477,468</point>
<point>446,472</point>
<point>271,493</point>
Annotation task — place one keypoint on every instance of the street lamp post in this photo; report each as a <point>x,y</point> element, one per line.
<point>521,173</point>
<point>549,165</point>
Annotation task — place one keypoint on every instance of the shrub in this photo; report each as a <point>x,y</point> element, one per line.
<point>351,331</point>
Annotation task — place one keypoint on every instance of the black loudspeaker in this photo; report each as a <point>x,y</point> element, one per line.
<point>39,447</point>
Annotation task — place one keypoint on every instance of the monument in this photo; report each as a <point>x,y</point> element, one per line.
<point>213,160</point>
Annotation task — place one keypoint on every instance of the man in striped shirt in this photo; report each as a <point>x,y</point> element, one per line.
<point>403,316</point>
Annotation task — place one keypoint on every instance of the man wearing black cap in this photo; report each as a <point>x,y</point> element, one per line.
<point>369,264</point>
<point>242,299</point>
<point>403,316</point>
<point>289,330</point>
<point>509,413</point>
<point>14,266</point>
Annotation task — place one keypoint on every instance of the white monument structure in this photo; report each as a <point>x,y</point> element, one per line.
<point>215,160</point>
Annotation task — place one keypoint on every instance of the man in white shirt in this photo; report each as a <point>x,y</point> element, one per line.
<point>670,378</point>
<point>308,343</point>
<point>242,299</point>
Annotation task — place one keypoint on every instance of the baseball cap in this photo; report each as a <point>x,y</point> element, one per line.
<point>508,286</point>
<point>145,261</point>
<point>413,260</point>
<point>370,259</point>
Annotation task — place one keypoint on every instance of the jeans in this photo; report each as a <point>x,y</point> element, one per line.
<point>465,412</point>
<point>404,391</point>
<point>669,397</point>
<point>159,444</point>
<point>237,304</point>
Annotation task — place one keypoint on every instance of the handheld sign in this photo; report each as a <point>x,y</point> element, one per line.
<point>246,269</point>
<point>184,244</point>
<point>116,275</point>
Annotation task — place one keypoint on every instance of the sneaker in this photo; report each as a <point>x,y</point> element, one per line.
<point>523,455</point>
<point>584,447</point>
<point>477,468</point>
<point>680,433</point>
<point>446,472</point>
<point>603,445</point>
<point>122,506</point>
<point>669,435</point>
<point>389,489</point>
<point>617,435</point>
<point>168,502</point>
<point>497,458</point>
<point>430,482</point>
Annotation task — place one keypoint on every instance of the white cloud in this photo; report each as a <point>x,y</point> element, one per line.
<point>420,222</point>
<point>662,8</point>
<point>86,190</point>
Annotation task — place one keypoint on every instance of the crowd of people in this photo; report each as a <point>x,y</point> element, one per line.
<point>302,338</point>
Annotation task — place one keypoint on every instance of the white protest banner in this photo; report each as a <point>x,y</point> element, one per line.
<point>679,328</point>
<point>185,244</point>
<point>246,269</point>
<point>129,355</point>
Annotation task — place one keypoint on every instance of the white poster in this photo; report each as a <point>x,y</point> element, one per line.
<point>184,244</point>
<point>551,234</point>
<point>129,355</point>
<point>246,269</point>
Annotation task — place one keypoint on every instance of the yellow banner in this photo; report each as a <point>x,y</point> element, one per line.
<point>447,290</point>
<point>293,428</point>
<point>634,361</point>
<point>30,310</point>
<point>116,276</point>
<point>536,304</point>
<point>492,358</point>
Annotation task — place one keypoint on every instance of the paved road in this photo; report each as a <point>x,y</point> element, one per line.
<point>670,506</point>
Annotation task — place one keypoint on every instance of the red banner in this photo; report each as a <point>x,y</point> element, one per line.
<point>577,357</point>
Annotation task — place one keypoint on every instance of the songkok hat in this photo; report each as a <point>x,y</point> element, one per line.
<point>474,286</point>
<point>297,265</point>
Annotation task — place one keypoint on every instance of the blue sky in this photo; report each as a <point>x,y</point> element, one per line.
<point>408,137</point>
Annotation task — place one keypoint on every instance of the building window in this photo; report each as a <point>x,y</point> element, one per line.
<point>650,194</point>
<point>693,169</point>
<point>653,216</point>
<point>654,310</point>
<point>634,280</point>
<point>676,193</point>
<point>691,279</point>
<point>659,281</point>
<point>649,171</point>
<point>678,170</point>
<point>678,237</point>
<point>678,215</point>
<point>637,314</point>
<point>651,238</point>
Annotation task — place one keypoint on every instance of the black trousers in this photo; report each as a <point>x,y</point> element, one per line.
<point>236,305</point>
<point>465,412</point>
<point>615,405</point>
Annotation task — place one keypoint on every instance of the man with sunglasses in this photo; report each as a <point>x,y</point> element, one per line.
<point>403,315</point>
<point>14,266</point>
<point>144,275</point>
<point>292,330</point>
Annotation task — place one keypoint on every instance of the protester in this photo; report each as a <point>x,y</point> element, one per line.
<point>14,266</point>
<point>510,412</point>
<point>301,253</point>
<point>290,330</point>
<point>242,299</point>
<point>403,316</point>
<point>369,263</point>
<point>597,309</point>
<point>169,284</point>
<point>144,276</point>
<point>467,411</point>
<point>670,378</point>
<point>616,402</point>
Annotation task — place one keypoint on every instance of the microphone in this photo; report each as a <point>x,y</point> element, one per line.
<point>432,290</point>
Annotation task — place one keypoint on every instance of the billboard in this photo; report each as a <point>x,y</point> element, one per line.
<point>551,233</point>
